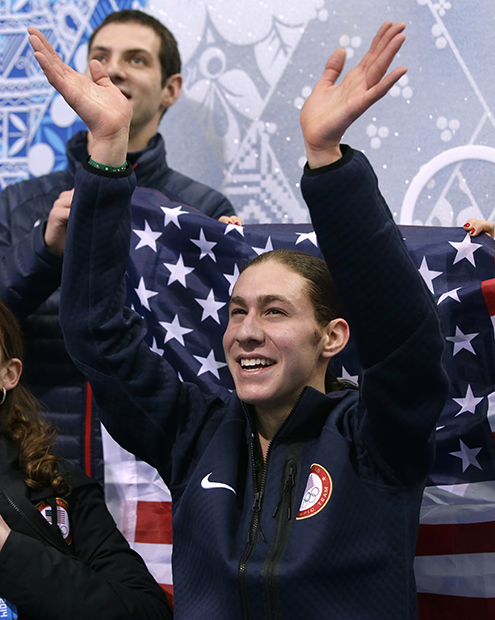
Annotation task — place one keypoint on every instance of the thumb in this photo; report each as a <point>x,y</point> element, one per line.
<point>334,66</point>
<point>98,72</point>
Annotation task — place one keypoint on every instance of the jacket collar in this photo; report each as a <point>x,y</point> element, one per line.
<point>310,412</point>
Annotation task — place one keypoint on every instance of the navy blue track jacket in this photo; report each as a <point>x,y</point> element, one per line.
<point>331,530</point>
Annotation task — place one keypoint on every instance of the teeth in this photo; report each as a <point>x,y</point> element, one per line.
<point>258,361</point>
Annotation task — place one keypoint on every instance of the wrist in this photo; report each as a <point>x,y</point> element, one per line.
<point>317,158</point>
<point>110,152</point>
<point>107,168</point>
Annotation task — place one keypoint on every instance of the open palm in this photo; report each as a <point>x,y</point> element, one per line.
<point>332,108</point>
<point>105,110</point>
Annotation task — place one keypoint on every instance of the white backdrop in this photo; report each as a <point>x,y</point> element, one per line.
<point>248,67</point>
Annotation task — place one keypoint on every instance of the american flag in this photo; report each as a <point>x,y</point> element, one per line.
<point>181,272</point>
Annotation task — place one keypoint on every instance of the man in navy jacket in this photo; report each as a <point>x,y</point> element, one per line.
<point>143,61</point>
<point>288,502</point>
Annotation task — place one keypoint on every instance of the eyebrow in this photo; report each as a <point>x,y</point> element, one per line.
<point>103,48</point>
<point>264,300</point>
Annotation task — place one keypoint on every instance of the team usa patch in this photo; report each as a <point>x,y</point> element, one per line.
<point>62,516</point>
<point>317,492</point>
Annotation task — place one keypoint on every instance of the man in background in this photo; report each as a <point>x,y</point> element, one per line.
<point>142,59</point>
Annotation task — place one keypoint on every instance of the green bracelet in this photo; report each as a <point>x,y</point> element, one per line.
<point>107,168</point>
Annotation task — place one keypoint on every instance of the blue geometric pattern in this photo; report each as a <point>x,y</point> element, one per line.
<point>35,122</point>
<point>248,68</point>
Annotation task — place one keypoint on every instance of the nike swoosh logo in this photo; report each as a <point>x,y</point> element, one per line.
<point>206,483</point>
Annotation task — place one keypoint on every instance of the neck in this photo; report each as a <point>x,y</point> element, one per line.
<point>267,424</point>
<point>140,138</point>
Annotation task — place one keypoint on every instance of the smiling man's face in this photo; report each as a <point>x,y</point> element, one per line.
<point>130,54</point>
<point>273,344</point>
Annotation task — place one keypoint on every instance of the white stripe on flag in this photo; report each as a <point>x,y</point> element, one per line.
<point>469,574</point>
<point>459,503</point>
<point>158,560</point>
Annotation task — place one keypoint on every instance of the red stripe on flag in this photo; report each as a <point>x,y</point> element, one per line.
<point>169,591</point>
<point>448,539</point>
<point>154,523</point>
<point>440,607</point>
<point>488,290</point>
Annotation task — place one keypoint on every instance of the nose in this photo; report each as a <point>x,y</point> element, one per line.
<point>115,68</point>
<point>250,331</point>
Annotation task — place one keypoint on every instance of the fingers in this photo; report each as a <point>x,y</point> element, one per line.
<point>97,71</point>
<point>334,66</point>
<point>56,226</point>
<point>382,52</point>
<point>384,85</point>
<point>386,33</point>
<point>230,219</point>
<point>50,62</point>
<point>475,227</point>
<point>65,199</point>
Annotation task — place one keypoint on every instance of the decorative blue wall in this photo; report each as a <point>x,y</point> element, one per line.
<point>248,67</point>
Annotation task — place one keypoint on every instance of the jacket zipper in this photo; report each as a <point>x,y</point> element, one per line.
<point>33,525</point>
<point>254,526</point>
<point>283,513</point>
<point>286,495</point>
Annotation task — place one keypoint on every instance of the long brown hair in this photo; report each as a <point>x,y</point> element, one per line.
<point>20,420</point>
<point>320,289</point>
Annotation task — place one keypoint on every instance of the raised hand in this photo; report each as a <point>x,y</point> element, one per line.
<point>332,108</point>
<point>99,103</point>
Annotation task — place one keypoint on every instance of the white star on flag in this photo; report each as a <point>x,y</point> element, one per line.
<point>147,237</point>
<point>268,247</point>
<point>428,275</point>
<point>209,364</point>
<point>205,246</point>
<point>468,403</point>
<point>210,307</point>
<point>155,349</point>
<point>449,294</point>
<point>467,455</point>
<point>172,215</point>
<point>462,341</point>
<point>236,227</point>
<point>465,249</point>
<point>175,330</point>
<point>144,294</point>
<point>178,272</point>
<point>232,279</point>
<point>347,377</point>
<point>311,236</point>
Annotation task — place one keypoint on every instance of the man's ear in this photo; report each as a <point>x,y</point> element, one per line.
<point>11,373</point>
<point>172,90</point>
<point>334,337</point>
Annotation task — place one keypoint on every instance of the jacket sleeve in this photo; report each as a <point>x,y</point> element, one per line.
<point>29,272</point>
<point>105,580</point>
<point>143,404</point>
<point>391,314</point>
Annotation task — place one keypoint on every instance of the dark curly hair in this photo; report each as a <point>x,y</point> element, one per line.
<point>21,422</point>
<point>169,52</point>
